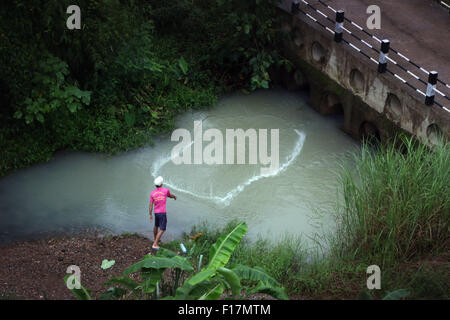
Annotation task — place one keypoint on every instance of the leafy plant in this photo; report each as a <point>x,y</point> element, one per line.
<point>183,65</point>
<point>212,282</point>
<point>106,264</point>
<point>82,293</point>
<point>396,295</point>
<point>392,295</point>
<point>161,58</point>
<point>51,92</point>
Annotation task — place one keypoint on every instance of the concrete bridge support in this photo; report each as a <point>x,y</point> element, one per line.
<point>341,81</point>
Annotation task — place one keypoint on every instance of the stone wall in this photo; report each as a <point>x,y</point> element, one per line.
<point>341,80</point>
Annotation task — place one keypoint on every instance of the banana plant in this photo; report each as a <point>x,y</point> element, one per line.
<point>80,293</point>
<point>212,282</point>
<point>266,284</point>
<point>151,268</point>
<point>215,278</point>
<point>391,295</point>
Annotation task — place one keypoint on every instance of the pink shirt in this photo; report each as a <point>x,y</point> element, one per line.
<point>159,197</point>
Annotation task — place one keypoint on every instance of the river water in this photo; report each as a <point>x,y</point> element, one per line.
<point>76,191</point>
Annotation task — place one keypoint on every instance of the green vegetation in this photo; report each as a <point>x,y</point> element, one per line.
<point>134,66</point>
<point>212,282</point>
<point>398,208</point>
<point>395,214</point>
<point>123,77</point>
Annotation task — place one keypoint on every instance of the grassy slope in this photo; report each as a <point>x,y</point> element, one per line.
<point>396,216</point>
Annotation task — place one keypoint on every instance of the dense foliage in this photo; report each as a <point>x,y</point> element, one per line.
<point>395,213</point>
<point>397,206</point>
<point>213,281</point>
<point>123,77</point>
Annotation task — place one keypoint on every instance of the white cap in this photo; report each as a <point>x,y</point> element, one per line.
<point>158,181</point>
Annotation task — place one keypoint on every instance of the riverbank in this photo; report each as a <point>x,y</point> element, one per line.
<point>34,269</point>
<point>395,215</point>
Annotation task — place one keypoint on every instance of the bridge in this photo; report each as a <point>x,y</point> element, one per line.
<point>382,80</point>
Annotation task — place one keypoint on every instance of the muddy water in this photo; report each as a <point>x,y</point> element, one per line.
<point>78,190</point>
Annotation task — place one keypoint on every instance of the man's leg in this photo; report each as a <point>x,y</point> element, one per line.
<point>158,236</point>
<point>155,229</point>
<point>162,218</point>
<point>155,232</point>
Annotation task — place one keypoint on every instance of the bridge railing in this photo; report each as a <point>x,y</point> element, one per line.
<point>337,27</point>
<point>445,5</point>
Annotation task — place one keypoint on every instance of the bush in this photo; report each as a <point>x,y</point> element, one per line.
<point>212,282</point>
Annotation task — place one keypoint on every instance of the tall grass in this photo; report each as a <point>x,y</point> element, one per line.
<point>281,259</point>
<point>395,214</point>
<point>396,203</point>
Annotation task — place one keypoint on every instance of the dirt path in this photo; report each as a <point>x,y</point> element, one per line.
<point>35,269</point>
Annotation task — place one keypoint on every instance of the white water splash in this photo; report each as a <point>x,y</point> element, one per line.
<point>157,165</point>
<point>226,200</point>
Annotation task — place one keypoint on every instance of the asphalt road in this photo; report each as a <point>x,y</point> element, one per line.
<point>418,29</point>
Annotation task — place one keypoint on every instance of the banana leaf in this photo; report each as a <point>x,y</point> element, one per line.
<point>80,294</point>
<point>254,274</point>
<point>124,281</point>
<point>213,294</point>
<point>151,276</point>
<point>276,292</point>
<point>165,253</point>
<point>232,279</point>
<point>396,295</point>
<point>184,291</point>
<point>113,293</point>
<point>221,251</point>
<point>155,262</point>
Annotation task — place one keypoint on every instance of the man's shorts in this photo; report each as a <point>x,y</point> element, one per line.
<point>161,220</point>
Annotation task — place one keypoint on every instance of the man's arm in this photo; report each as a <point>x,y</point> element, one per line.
<point>170,195</point>
<point>150,209</point>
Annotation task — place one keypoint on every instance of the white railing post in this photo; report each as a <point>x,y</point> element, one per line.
<point>338,29</point>
<point>384,52</point>
<point>295,7</point>
<point>432,80</point>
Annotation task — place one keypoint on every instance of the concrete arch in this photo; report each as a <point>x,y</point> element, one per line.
<point>369,131</point>
<point>298,39</point>
<point>318,53</point>
<point>393,107</point>
<point>434,133</point>
<point>300,79</point>
<point>357,80</point>
<point>331,104</point>
<point>294,80</point>
<point>286,27</point>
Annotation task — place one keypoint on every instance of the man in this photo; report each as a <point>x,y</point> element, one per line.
<point>158,197</point>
